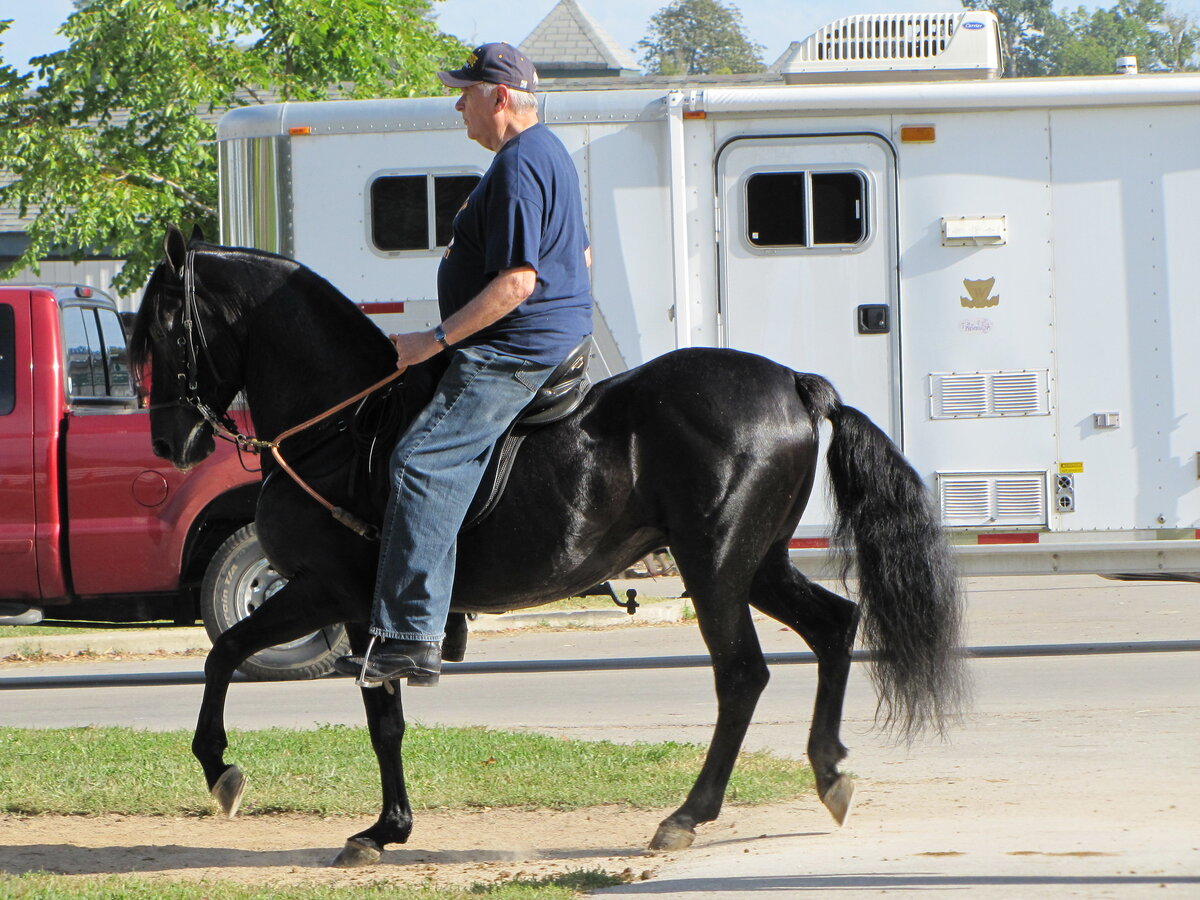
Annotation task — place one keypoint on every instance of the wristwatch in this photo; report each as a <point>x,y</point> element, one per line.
<point>439,335</point>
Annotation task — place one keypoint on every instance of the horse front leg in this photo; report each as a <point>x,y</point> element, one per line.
<point>827,622</point>
<point>741,675</point>
<point>297,609</point>
<point>385,722</point>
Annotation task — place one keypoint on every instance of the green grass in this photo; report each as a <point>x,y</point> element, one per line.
<point>41,886</point>
<point>42,630</point>
<point>332,771</point>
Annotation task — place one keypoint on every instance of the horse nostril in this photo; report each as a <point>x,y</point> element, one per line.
<point>162,449</point>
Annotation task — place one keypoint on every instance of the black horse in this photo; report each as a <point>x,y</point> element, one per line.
<point>710,452</point>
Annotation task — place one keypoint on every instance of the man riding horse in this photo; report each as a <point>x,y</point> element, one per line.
<point>515,299</point>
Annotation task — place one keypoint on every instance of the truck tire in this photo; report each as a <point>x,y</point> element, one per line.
<point>237,580</point>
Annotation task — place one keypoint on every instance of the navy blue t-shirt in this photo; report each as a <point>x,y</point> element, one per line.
<point>526,210</point>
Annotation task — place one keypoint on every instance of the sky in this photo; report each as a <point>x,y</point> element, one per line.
<point>771,23</point>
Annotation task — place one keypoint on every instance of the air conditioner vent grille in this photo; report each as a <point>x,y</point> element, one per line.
<point>898,36</point>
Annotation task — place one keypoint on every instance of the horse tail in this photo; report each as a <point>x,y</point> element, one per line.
<point>887,528</point>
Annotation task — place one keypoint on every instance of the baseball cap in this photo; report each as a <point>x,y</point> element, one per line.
<point>497,63</point>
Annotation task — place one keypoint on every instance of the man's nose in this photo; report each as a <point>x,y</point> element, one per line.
<point>460,102</point>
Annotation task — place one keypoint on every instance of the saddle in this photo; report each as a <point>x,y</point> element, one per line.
<point>377,425</point>
<point>560,396</point>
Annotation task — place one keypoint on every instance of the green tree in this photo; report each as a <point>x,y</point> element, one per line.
<point>12,83</point>
<point>1088,40</point>
<point>116,141</point>
<point>1030,32</point>
<point>1131,28</point>
<point>695,37</point>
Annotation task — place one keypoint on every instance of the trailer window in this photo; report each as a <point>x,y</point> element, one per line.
<point>805,209</point>
<point>775,209</point>
<point>399,217</point>
<point>837,207</point>
<point>404,218</point>
<point>8,360</point>
<point>450,192</point>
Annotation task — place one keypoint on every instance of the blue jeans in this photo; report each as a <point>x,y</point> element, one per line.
<point>436,469</point>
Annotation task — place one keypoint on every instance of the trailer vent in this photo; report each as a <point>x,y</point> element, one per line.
<point>897,46</point>
<point>986,395</point>
<point>992,499</point>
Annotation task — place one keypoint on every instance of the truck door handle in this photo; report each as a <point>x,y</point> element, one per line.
<point>874,318</point>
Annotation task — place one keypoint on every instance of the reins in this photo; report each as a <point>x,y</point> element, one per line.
<point>224,426</point>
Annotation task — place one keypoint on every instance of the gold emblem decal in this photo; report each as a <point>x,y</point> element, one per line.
<point>979,291</point>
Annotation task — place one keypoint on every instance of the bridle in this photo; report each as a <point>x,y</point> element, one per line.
<point>225,427</point>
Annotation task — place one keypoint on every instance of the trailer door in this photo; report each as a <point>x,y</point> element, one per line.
<point>808,261</point>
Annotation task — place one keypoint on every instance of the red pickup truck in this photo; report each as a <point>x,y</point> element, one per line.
<point>93,526</point>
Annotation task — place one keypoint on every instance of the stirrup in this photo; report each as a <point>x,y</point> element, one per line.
<point>361,679</point>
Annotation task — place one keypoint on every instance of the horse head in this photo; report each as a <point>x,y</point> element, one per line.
<point>186,339</point>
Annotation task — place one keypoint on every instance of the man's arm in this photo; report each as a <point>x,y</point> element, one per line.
<point>504,293</point>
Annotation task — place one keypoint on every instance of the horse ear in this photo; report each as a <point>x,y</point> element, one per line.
<point>197,234</point>
<point>175,249</point>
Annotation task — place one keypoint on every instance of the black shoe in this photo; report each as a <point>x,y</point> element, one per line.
<point>387,660</point>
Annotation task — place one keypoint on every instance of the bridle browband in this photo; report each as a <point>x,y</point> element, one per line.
<point>224,427</point>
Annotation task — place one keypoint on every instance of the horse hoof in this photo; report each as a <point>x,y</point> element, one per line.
<point>228,791</point>
<point>839,798</point>
<point>672,837</point>
<point>357,853</point>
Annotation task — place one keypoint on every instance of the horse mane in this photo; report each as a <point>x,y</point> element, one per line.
<point>231,297</point>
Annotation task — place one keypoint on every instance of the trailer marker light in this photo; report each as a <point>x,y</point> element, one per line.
<point>695,114</point>
<point>296,130</point>
<point>917,134</point>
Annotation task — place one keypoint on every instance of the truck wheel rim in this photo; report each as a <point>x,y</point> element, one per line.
<point>259,582</point>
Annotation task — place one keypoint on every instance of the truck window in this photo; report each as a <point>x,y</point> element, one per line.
<point>97,364</point>
<point>8,360</point>
<point>85,364</point>
<point>118,376</point>
<point>784,208</point>
<point>404,218</point>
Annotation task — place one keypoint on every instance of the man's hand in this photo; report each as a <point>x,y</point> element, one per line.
<point>503,294</point>
<point>414,347</point>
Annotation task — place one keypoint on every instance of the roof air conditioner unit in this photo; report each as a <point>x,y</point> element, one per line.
<point>897,47</point>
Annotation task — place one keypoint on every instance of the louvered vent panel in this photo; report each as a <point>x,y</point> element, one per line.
<point>963,395</point>
<point>888,36</point>
<point>992,499</point>
<point>1022,498</point>
<point>982,395</point>
<point>966,500</point>
<point>1019,393</point>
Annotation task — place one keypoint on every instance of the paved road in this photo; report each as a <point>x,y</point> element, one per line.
<point>1075,775</point>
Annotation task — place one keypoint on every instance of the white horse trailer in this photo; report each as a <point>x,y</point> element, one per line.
<point>1003,274</point>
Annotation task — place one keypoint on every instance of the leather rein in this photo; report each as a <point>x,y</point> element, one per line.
<point>224,426</point>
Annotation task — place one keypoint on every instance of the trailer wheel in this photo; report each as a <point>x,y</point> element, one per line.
<point>237,580</point>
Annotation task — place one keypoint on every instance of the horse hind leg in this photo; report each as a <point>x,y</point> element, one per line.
<point>828,623</point>
<point>741,675</point>
<point>385,722</point>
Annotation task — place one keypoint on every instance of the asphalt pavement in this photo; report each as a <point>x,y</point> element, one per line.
<point>1076,774</point>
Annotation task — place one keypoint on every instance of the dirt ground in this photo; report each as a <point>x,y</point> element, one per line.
<point>446,848</point>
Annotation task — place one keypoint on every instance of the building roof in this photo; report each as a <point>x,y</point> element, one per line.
<point>570,42</point>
